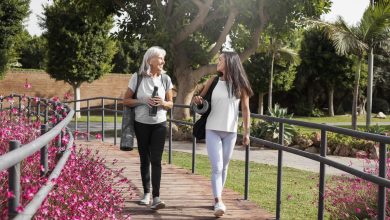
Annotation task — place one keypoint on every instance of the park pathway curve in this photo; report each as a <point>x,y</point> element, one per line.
<point>187,195</point>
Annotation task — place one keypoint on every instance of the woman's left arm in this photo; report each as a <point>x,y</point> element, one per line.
<point>168,103</point>
<point>245,118</point>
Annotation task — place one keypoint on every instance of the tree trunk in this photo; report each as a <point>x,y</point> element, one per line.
<point>356,95</point>
<point>330,101</point>
<point>369,86</point>
<point>260,109</point>
<point>271,77</point>
<point>185,91</point>
<point>362,105</point>
<point>310,99</point>
<point>76,95</point>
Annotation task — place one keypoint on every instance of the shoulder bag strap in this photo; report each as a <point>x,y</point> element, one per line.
<point>164,81</point>
<point>139,79</point>
<point>211,88</point>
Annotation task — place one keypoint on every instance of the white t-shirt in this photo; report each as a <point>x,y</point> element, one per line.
<point>144,92</point>
<point>224,109</point>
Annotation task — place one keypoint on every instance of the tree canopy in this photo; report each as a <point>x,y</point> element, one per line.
<point>12,13</point>
<point>194,31</point>
<point>80,48</point>
<point>372,29</point>
<point>322,67</point>
<point>79,45</point>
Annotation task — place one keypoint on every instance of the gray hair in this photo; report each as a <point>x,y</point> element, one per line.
<point>150,53</point>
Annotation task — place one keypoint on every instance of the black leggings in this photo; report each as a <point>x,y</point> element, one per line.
<point>151,140</point>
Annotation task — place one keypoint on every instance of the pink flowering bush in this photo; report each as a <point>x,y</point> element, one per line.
<point>85,189</point>
<point>354,198</point>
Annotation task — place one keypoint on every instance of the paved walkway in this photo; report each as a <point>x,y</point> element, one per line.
<point>264,156</point>
<point>188,196</point>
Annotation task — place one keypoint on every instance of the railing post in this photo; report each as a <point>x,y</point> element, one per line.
<point>246,192</point>
<point>39,110</point>
<point>382,189</point>
<point>44,154</point>
<point>102,119</point>
<point>75,115</point>
<point>115,118</point>
<point>14,183</point>
<point>20,104</point>
<point>28,107</point>
<point>193,144</point>
<point>321,189</point>
<point>170,137</point>
<point>46,111</point>
<point>88,118</point>
<point>59,141</point>
<point>280,166</point>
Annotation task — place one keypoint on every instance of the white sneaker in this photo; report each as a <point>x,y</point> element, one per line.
<point>219,209</point>
<point>145,200</point>
<point>157,204</point>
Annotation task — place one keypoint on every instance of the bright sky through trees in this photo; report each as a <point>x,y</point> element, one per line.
<point>350,10</point>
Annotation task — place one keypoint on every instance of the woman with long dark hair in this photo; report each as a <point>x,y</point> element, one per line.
<point>232,89</point>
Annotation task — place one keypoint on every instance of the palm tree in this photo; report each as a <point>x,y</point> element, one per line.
<point>277,51</point>
<point>372,29</point>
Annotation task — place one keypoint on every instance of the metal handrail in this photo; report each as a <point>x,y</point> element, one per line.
<point>12,159</point>
<point>339,130</point>
<point>372,178</point>
<point>94,98</point>
<point>380,180</point>
<point>33,206</point>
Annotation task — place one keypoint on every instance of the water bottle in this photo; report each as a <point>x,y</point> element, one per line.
<point>153,109</point>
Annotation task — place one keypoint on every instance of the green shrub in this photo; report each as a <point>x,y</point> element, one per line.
<point>375,129</point>
<point>335,140</point>
<point>270,131</point>
<point>185,128</point>
<point>316,112</point>
<point>380,105</point>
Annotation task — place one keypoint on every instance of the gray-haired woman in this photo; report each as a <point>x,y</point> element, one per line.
<point>150,127</point>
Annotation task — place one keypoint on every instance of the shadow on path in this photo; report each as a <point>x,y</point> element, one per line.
<point>187,195</point>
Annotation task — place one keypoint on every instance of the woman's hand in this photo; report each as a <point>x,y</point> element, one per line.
<point>245,140</point>
<point>156,101</point>
<point>197,100</point>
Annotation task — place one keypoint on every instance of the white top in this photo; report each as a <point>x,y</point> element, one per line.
<point>224,110</point>
<point>144,92</point>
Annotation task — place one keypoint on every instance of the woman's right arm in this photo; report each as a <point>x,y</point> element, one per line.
<point>129,101</point>
<point>198,99</point>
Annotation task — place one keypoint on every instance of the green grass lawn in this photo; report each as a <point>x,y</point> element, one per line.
<point>337,118</point>
<point>299,188</point>
<point>98,118</point>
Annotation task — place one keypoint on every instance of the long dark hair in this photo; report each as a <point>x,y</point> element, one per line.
<point>235,75</point>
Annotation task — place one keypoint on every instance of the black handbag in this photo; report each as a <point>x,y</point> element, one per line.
<point>199,128</point>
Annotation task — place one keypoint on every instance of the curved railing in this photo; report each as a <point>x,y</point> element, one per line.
<point>49,131</point>
<point>381,180</point>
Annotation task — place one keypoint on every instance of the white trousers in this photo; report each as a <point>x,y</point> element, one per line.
<point>220,146</point>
